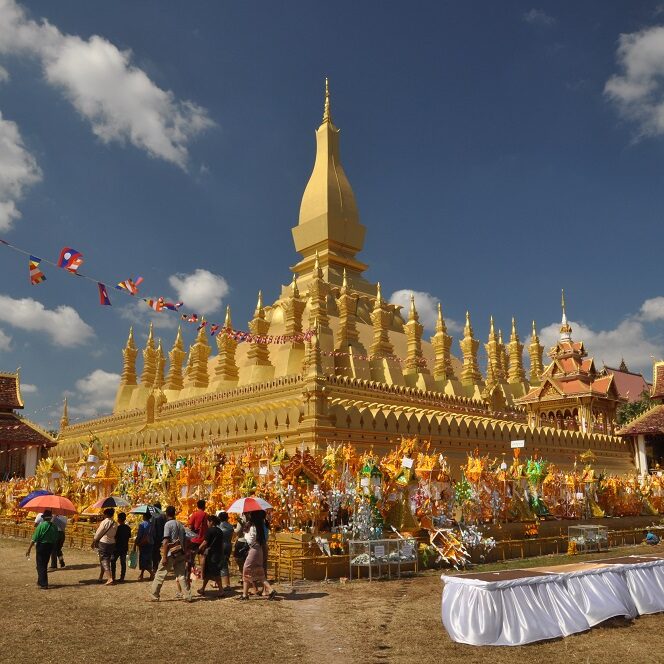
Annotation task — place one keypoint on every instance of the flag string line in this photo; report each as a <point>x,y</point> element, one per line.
<point>154,304</point>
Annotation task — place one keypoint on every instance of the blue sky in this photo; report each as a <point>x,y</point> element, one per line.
<point>498,152</point>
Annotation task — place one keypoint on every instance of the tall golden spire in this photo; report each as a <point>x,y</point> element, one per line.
<point>225,368</point>
<point>64,420</point>
<point>470,374</point>
<point>317,296</point>
<point>129,360</point>
<point>381,346</point>
<point>413,329</point>
<point>504,359</point>
<point>565,327</point>
<point>160,362</point>
<point>516,373</point>
<point>492,348</point>
<point>442,343</point>
<point>329,221</point>
<point>149,360</point>
<point>258,353</point>
<point>198,357</point>
<point>535,350</point>
<point>176,357</point>
<point>347,334</point>
<point>327,115</point>
<point>259,312</point>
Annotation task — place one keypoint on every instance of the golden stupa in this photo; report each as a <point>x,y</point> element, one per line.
<point>366,378</point>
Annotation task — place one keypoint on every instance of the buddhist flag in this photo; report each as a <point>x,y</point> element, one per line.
<point>157,304</point>
<point>70,259</point>
<point>36,275</point>
<point>130,285</point>
<point>103,295</point>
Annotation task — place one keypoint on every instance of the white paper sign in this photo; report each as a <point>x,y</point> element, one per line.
<point>407,550</point>
<point>379,550</point>
<point>407,463</point>
<point>518,443</point>
<point>262,470</point>
<point>364,481</point>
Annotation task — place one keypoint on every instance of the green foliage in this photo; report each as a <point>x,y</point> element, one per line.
<point>629,411</point>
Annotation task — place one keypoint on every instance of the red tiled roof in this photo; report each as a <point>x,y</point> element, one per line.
<point>652,421</point>
<point>658,381</point>
<point>10,394</point>
<point>18,432</point>
<point>630,386</point>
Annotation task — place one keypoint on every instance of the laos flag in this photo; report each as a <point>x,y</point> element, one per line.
<point>70,259</point>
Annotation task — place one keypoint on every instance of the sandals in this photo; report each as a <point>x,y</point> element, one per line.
<point>272,595</point>
<point>242,598</point>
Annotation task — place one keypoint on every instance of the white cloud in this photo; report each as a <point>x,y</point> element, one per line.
<point>539,17</point>
<point>62,325</point>
<point>28,388</point>
<point>427,309</point>
<point>629,340</point>
<point>116,97</point>
<point>4,75</point>
<point>638,90</point>
<point>140,316</point>
<point>653,309</point>
<point>201,291</point>
<point>18,171</point>
<point>94,394</point>
<point>5,341</point>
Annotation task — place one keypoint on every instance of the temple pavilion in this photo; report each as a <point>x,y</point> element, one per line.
<point>367,377</point>
<point>22,443</point>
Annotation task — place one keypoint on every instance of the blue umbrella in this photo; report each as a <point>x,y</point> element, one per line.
<point>34,494</point>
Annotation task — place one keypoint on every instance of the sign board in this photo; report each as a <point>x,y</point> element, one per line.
<point>379,550</point>
<point>262,470</point>
<point>407,463</point>
<point>518,443</point>
<point>407,550</point>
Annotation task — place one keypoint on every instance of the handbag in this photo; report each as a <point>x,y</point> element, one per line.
<point>133,559</point>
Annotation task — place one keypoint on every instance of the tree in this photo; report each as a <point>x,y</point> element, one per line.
<point>628,411</point>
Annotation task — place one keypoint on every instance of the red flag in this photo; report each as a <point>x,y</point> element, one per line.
<point>103,295</point>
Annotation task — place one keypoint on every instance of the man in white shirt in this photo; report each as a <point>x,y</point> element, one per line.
<point>60,522</point>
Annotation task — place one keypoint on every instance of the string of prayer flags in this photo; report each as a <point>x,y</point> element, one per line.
<point>103,295</point>
<point>202,325</point>
<point>213,329</point>
<point>36,275</point>
<point>157,304</point>
<point>130,285</point>
<point>70,259</point>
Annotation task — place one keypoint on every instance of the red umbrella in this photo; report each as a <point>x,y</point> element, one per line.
<point>57,505</point>
<point>251,504</point>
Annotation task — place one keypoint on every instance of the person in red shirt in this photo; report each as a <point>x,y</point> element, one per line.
<point>198,524</point>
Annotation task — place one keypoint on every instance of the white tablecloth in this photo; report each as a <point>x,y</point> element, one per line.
<point>514,612</point>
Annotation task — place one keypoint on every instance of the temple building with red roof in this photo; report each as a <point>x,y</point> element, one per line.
<point>572,394</point>
<point>647,430</point>
<point>22,443</point>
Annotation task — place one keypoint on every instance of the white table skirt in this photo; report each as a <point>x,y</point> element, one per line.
<point>535,608</point>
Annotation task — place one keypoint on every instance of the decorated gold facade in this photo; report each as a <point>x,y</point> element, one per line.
<point>367,376</point>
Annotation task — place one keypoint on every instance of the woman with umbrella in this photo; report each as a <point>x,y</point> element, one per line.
<point>253,571</point>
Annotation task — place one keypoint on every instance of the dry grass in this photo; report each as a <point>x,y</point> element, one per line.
<point>396,621</point>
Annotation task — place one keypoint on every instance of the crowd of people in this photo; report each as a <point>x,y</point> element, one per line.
<point>162,544</point>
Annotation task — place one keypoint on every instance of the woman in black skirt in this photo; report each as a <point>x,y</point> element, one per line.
<point>212,549</point>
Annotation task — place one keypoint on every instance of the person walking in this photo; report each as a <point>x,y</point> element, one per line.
<point>104,542</point>
<point>158,523</point>
<point>212,551</point>
<point>122,536</point>
<point>198,523</point>
<point>44,538</point>
<point>227,533</point>
<point>60,522</point>
<point>241,548</point>
<point>253,571</point>
<point>144,542</point>
<point>173,549</point>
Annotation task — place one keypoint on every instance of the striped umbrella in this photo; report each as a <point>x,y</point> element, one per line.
<point>251,504</point>
<point>111,501</point>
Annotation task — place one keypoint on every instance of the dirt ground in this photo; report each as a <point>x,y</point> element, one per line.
<point>78,620</point>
